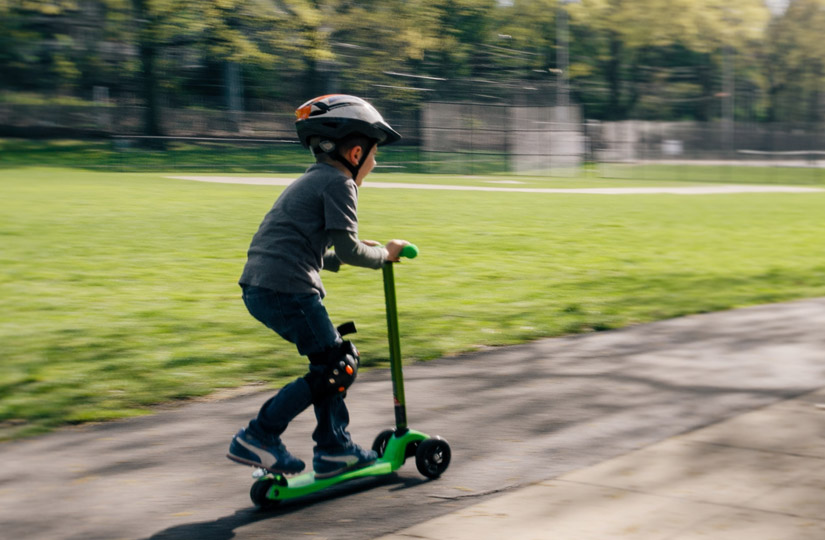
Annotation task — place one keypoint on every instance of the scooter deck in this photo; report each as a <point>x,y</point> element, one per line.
<point>306,483</point>
<point>291,487</point>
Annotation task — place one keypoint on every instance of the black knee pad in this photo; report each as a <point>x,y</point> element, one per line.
<point>340,369</point>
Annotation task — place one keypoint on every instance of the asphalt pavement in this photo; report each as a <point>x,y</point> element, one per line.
<point>757,476</point>
<point>705,426</point>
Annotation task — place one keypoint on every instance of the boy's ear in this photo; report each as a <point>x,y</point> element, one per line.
<point>354,154</point>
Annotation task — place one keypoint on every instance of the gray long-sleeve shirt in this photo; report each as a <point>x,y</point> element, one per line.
<point>350,250</point>
<point>314,213</point>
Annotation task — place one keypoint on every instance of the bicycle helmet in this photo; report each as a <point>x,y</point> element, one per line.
<point>324,121</point>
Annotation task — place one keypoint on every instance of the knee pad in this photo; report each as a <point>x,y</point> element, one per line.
<point>340,369</point>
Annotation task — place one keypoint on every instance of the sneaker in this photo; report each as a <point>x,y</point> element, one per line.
<point>275,458</point>
<point>327,464</point>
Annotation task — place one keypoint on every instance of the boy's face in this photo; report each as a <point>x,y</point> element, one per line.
<point>368,165</point>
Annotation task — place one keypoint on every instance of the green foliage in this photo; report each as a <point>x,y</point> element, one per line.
<point>793,63</point>
<point>628,59</point>
<point>632,45</point>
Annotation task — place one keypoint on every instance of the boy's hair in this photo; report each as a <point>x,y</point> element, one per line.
<point>326,147</point>
<point>355,139</point>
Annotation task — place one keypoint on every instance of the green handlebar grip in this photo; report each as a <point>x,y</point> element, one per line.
<point>409,251</point>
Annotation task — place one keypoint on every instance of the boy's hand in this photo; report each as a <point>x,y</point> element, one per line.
<point>394,248</point>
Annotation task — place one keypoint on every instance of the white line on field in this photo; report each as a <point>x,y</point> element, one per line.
<point>685,190</point>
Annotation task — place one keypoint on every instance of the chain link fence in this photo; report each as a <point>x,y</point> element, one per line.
<point>705,151</point>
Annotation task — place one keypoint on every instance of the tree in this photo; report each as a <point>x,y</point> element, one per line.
<point>41,43</point>
<point>624,32</point>
<point>407,49</point>
<point>250,33</point>
<point>628,58</point>
<point>793,63</point>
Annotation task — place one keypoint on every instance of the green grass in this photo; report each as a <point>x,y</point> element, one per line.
<point>725,174</point>
<point>32,98</point>
<point>235,156</point>
<point>130,155</point>
<point>118,291</point>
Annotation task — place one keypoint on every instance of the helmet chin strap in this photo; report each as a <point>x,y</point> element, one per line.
<point>354,169</point>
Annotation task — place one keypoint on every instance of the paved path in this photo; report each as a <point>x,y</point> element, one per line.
<point>684,190</point>
<point>536,417</point>
<point>757,476</point>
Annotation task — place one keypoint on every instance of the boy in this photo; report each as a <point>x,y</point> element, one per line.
<point>282,287</point>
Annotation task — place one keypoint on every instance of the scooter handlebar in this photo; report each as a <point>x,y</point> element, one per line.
<point>409,251</point>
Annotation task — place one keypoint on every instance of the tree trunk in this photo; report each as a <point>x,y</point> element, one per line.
<point>147,52</point>
<point>705,109</point>
<point>614,81</point>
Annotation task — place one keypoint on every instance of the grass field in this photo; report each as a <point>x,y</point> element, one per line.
<point>118,291</point>
<point>236,155</point>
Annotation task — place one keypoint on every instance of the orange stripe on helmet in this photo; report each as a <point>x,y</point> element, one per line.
<point>303,112</point>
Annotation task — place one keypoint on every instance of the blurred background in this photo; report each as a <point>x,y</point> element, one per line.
<point>552,87</point>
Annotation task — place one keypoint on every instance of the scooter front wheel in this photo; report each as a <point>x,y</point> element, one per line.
<point>433,457</point>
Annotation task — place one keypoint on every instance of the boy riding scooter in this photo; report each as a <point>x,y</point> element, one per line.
<point>282,287</point>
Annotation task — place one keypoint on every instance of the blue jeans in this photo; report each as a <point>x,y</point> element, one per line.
<point>303,320</point>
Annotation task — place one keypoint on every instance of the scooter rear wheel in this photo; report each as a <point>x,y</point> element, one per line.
<point>258,493</point>
<point>433,457</point>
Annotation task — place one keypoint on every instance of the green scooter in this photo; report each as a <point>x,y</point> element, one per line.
<point>394,446</point>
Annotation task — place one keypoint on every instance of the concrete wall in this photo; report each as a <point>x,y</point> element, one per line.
<point>535,139</point>
<point>545,139</point>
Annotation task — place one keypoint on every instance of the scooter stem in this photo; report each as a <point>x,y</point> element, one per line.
<point>400,401</point>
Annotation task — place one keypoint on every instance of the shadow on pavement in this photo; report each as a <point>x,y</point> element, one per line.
<point>224,528</point>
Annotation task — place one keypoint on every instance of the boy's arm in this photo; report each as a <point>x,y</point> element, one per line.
<point>350,250</point>
<point>331,261</point>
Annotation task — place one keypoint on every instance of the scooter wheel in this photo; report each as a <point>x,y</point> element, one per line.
<point>258,493</point>
<point>381,441</point>
<point>432,457</point>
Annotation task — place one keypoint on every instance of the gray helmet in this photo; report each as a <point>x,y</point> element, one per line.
<point>333,117</point>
